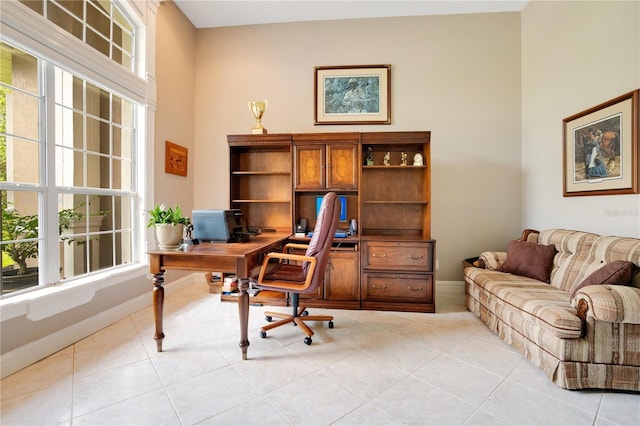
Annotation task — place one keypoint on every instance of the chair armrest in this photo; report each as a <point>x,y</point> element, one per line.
<point>492,260</point>
<point>285,284</point>
<point>290,256</point>
<point>297,246</point>
<point>608,303</point>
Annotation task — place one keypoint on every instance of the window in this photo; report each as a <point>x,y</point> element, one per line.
<point>68,155</point>
<point>98,23</point>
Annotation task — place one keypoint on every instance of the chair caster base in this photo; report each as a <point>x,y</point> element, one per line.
<point>307,341</point>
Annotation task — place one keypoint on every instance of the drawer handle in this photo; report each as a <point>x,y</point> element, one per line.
<point>415,289</point>
<point>379,255</point>
<point>411,256</point>
<point>384,286</point>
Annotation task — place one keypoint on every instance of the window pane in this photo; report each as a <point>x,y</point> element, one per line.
<point>123,213</point>
<point>98,136</point>
<point>35,5</point>
<point>98,102</point>
<point>103,206</point>
<point>19,240</point>
<point>122,143</point>
<point>75,7</point>
<point>21,159</point>
<point>82,219</point>
<point>19,69</point>
<point>122,175</point>
<point>124,248</point>
<point>97,19</point>
<point>64,20</point>
<point>69,128</point>
<point>98,42</point>
<point>122,112</point>
<point>21,114</point>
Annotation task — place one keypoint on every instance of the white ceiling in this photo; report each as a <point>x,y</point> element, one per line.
<point>218,13</point>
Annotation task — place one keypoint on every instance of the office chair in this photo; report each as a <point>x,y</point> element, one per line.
<point>277,273</point>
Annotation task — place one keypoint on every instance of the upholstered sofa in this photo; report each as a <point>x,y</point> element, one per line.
<point>567,300</point>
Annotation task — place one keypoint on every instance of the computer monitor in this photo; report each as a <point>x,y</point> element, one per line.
<point>343,207</point>
<point>217,225</point>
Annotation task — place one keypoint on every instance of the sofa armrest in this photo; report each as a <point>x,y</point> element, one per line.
<point>492,260</point>
<point>608,303</point>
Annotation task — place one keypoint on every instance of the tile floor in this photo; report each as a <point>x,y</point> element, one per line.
<point>373,368</point>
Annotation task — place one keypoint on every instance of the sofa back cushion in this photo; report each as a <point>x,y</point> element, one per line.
<point>609,249</point>
<point>574,255</point>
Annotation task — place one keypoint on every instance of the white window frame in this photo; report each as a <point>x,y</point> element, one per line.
<point>28,30</point>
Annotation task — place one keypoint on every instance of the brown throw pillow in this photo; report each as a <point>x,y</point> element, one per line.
<point>617,272</point>
<point>529,260</point>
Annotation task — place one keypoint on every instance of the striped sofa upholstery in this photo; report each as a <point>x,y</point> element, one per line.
<point>591,340</point>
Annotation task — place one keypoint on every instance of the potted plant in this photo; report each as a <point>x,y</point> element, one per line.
<point>169,224</point>
<point>17,227</point>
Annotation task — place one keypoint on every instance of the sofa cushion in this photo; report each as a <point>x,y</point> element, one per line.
<point>519,301</point>
<point>529,260</point>
<point>574,255</point>
<point>617,272</point>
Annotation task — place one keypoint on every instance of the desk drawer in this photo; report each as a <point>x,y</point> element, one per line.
<point>398,256</point>
<point>397,287</point>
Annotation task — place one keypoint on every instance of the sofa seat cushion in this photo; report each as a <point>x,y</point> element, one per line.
<point>537,303</point>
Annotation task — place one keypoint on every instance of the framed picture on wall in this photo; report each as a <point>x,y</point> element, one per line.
<point>600,149</point>
<point>353,94</point>
<point>175,159</point>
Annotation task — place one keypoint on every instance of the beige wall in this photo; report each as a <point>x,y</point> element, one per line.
<point>457,76</point>
<point>175,59</point>
<point>575,55</point>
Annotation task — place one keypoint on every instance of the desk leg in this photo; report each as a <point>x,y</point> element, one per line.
<point>243,310</point>
<point>158,304</point>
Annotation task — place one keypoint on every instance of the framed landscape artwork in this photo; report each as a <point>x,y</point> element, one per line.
<point>353,94</point>
<point>600,149</point>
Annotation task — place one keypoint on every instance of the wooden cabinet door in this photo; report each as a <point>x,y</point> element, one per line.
<point>310,166</point>
<point>342,276</point>
<point>342,170</point>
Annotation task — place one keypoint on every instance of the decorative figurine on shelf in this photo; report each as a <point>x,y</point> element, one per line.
<point>417,160</point>
<point>369,157</point>
<point>387,159</point>
<point>403,159</point>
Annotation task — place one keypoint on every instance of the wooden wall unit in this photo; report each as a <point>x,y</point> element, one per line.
<point>277,179</point>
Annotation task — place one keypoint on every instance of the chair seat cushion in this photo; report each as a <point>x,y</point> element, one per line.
<point>286,272</point>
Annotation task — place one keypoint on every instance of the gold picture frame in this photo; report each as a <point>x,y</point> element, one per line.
<point>352,94</point>
<point>600,149</point>
<point>175,159</point>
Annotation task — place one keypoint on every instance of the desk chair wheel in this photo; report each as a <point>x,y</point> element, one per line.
<point>263,334</point>
<point>268,318</point>
<point>307,340</point>
<point>304,313</point>
<point>330,324</point>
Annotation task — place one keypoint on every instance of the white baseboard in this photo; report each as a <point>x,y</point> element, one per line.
<point>26,355</point>
<point>453,286</point>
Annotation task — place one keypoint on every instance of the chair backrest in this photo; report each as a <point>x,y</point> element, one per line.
<point>323,235</point>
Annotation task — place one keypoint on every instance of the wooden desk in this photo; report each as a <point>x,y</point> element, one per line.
<point>238,258</point>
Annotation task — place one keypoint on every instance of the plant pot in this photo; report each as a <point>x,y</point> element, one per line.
<point>169,235</point>
<point>11,281</point>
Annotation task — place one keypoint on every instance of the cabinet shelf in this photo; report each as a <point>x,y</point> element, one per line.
<point>261,201</point>
<point>422,202</point>
<point>392,167</point>
<point>259,173</point>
